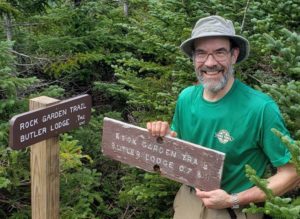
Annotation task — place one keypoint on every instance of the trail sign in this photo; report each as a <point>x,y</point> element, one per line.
<point>37,125</point>
<point>175,159</point>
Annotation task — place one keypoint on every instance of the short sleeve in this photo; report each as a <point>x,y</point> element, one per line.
<point>175,121</point>
<point>276,151</point>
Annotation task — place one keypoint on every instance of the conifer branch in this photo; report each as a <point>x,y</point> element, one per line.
<point>30,57</point>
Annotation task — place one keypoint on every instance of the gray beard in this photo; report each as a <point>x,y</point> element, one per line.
<point>215,86</point>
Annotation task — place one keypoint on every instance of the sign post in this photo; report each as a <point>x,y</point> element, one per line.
<point>44,170</point>
<point>39,128</point>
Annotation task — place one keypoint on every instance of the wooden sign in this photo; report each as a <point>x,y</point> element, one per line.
<point>37,125</point>
<point>175,159</point>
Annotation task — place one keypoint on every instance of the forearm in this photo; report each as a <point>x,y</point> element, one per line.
<point>284,180</point>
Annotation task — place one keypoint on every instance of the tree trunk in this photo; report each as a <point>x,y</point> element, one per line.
<point>125,8</point>
<point>8,26</point>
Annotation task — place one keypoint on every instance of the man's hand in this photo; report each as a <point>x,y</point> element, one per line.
<point>216,199</point>
<point>160,128</point>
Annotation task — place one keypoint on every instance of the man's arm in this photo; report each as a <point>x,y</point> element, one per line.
<point>284,180</point>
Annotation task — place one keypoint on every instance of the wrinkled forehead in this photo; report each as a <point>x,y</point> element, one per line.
<point>212,43</point>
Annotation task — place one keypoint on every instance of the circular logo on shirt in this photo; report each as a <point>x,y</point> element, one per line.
<point>223,136</point>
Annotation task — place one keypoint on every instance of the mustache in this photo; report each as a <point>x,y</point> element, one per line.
<point>210,69</point>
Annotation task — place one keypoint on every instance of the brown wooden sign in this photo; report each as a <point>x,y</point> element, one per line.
<point>37,125</point>
<point>175,159</point>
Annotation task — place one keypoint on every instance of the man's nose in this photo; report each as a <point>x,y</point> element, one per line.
<point>210,61</point>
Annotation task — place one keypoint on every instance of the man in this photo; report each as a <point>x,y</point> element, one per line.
<point>224,114</point>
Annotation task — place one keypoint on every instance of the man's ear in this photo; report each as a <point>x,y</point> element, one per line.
<point>235,55</point>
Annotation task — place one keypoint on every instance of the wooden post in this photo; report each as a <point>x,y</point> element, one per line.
<point>44,162</point>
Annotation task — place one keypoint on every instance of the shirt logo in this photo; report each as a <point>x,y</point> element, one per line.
<point>223,136</point>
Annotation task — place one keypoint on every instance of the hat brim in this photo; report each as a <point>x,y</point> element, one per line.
<point>188,45</point>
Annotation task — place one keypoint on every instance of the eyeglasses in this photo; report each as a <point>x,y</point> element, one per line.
<point>219,55</point>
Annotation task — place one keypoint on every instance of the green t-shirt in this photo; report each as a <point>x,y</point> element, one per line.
<point>238,125</point>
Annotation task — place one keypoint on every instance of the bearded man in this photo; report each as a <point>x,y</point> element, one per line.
<point>224,114</point>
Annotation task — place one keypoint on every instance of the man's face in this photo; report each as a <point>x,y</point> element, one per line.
<point>213,61</point>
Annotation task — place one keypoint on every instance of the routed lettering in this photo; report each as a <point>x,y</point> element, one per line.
<point>33,134</point>
<point>54,115</point>
<point>34,126</point>
<point>78,107</point>
<point>173,158</point>
<point>27,124</point>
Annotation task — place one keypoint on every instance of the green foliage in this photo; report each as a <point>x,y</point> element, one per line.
<point>159,103</point>
<point>271,28</point>
<point>3,181</point>
<point>288,98</point>
<point>293,146</point>
<point>14,165</point>
<point>149,193</point>
<point>77,181</point>
<point>7,8</point>
<point>110,172</point>
<point>285,52</point>
<point>10,85</point>
<point>29,6</point>
<point>276,206</point>
<point>154,73</point>
<point>14,174</point>
<point>70,153</point>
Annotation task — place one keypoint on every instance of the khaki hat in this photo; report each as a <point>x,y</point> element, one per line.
<point>216,26</point>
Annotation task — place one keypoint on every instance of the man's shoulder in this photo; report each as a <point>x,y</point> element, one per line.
<point>190,91</point>
<point>252,94</point>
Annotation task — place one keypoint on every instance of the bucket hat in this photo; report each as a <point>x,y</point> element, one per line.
<point>216,26</point>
